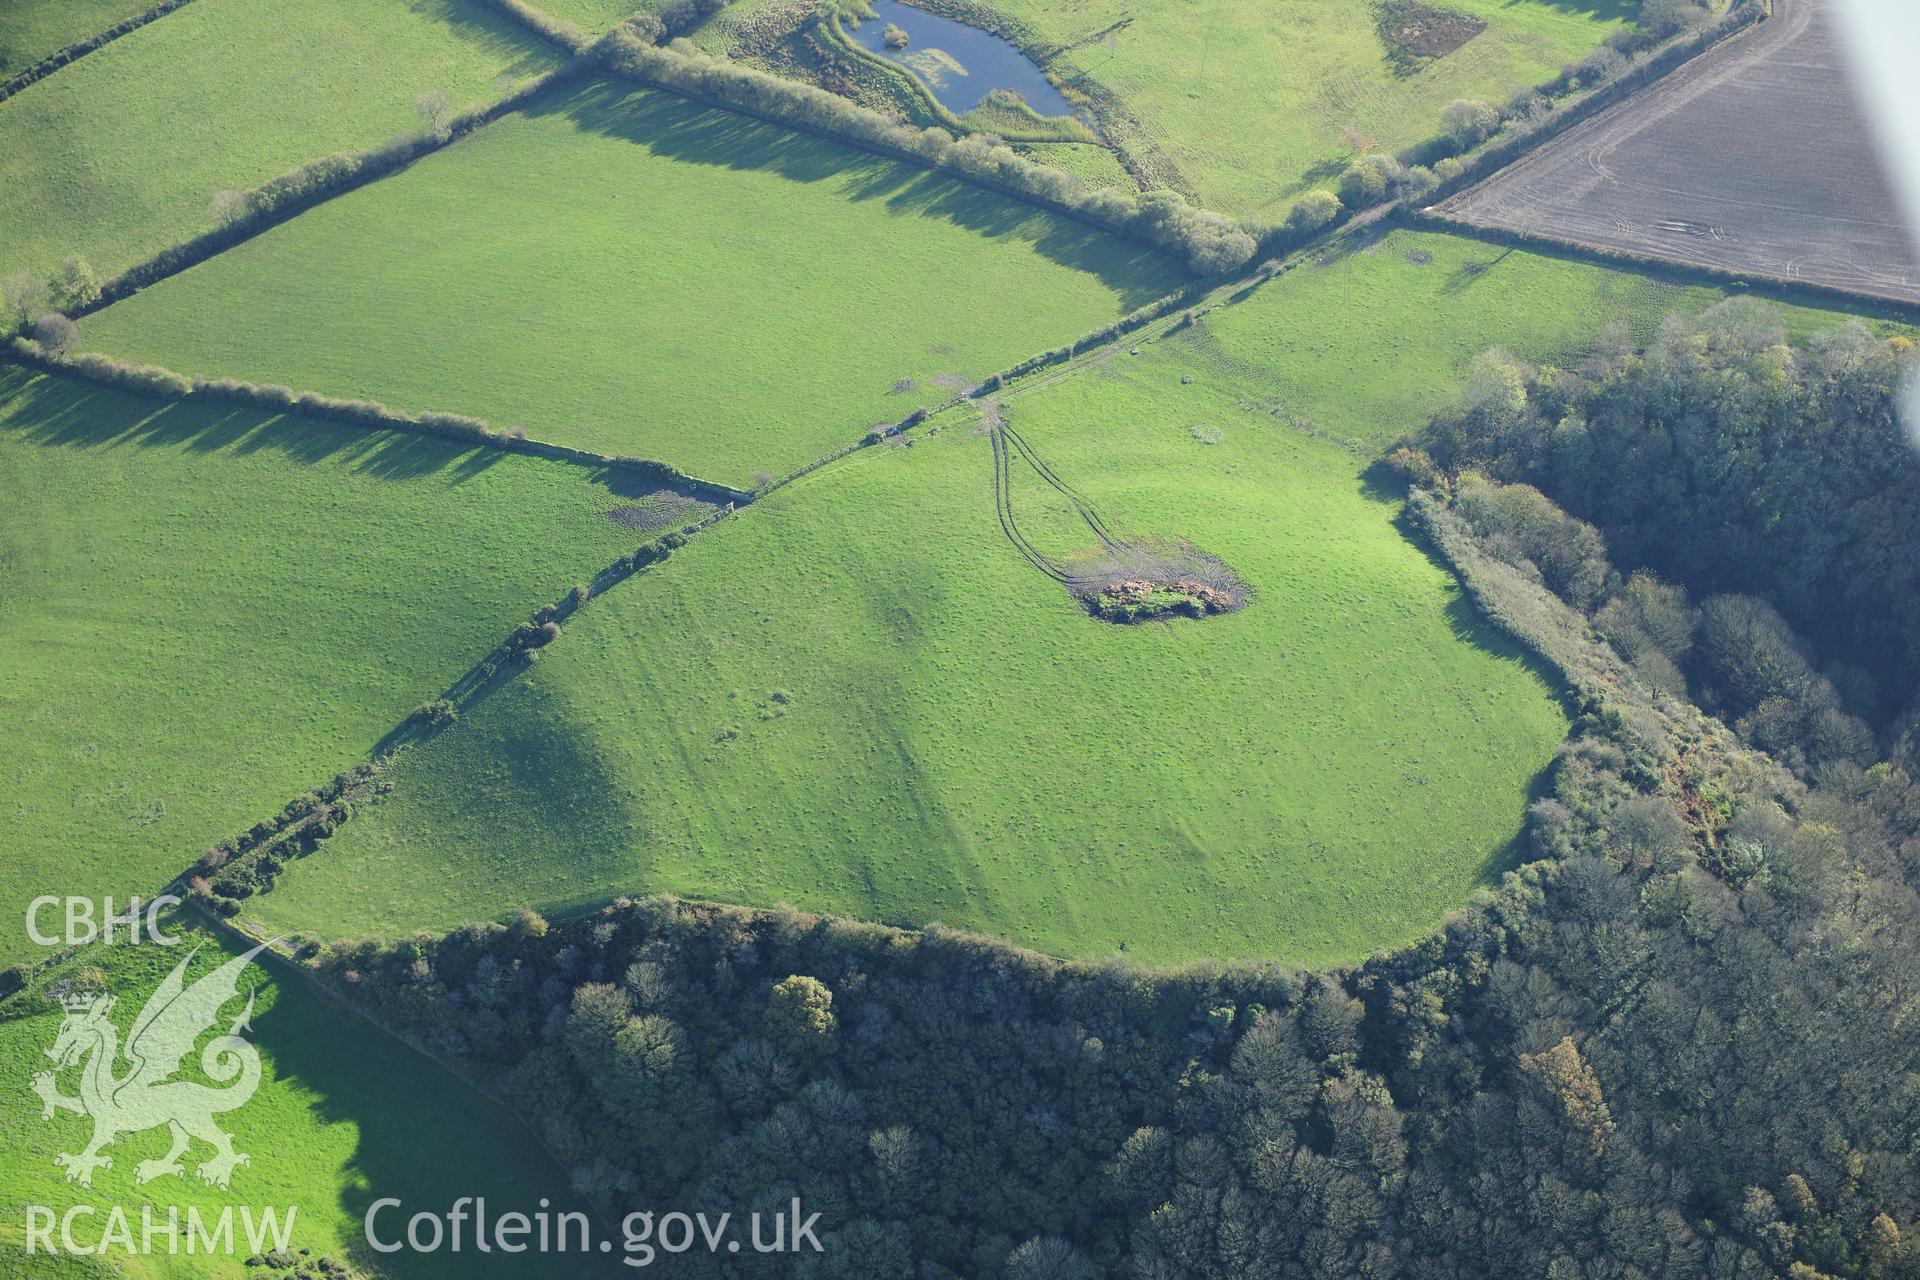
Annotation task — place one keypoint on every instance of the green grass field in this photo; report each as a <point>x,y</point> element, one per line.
<point>857,698</point>
<point>120,154</point>
<point>596,16</point>
<point>652,278</point>
<point>1292,84</point>
<point>32,29</point>
<point>343,1115</point>
<point>207,611</point>
<point>1395,324</point>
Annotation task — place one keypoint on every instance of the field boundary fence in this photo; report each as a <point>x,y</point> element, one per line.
<point>165,384</point>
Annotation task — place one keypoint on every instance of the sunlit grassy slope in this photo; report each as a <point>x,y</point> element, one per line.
<point>207,611</point>
<point>343,1115</point>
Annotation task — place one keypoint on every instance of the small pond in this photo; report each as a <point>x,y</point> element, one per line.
<point>959,63</point>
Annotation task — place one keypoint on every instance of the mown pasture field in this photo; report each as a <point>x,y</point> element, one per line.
<point>1292,86</point>
<point>859,699</point>
<point>209,610</point>
<point>1361,342</point>
<point>856,697</point>
<point>121,153</point>
<point>32,29</point>
<point>1753,158</point>
<point>344,1115</point>
<point>625,271</point>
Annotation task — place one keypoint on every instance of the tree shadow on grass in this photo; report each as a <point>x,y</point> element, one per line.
<point>1468,274</point>
<point>520,52</point>
<point>678,129</point>
<point>423,1136</point>
<point>1474,629</point>
<point>55,411</point>
<point>1596,10</point>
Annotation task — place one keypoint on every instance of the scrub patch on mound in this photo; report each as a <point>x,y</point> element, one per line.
<point>1142,582</point>
<point>661,509</point>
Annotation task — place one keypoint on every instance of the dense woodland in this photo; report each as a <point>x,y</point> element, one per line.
<point>1679,1041</point>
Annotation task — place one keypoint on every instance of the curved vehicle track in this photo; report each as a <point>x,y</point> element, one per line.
<point>1754,158</point>
<point>1006,444</point>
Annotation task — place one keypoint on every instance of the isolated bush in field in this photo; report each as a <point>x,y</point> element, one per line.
<point>228,207</point>
<point>1313,210</point>
<point>1469,121</point>
<point>75,285</point>
<point>54,332</point>
<point>22,299</point>
<point>435,110</point>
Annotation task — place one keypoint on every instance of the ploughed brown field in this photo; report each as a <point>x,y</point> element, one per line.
<point>1753,158</point>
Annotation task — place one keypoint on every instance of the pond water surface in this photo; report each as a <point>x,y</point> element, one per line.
<point>959,63</point>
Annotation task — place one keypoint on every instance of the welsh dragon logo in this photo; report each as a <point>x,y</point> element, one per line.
<point>146,1095</point>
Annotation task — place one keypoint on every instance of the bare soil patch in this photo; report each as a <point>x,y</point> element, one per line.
<point>1755,158</point>
<point>1415,34</point>
<point>1146,583</point>
<point>661,509</point>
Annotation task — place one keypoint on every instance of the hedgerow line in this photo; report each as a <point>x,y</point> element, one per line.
<point>69,54</point>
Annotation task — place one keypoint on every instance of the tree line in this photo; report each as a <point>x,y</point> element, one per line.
<point>1727,462</point>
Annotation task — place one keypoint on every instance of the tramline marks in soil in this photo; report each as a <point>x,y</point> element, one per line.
<point>1126,578</point>
<point>1753,158</point>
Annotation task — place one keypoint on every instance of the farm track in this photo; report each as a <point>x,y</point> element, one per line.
<point>1122,550</point>
<point>1744,160</point>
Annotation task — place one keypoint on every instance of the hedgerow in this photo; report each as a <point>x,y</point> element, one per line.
<point>1207,242</point>
<point>81,48</point>
<point>167,384</point>
<point>565,35</point>
<point>242,215</point>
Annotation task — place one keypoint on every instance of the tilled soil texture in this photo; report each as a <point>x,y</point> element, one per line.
<point>1755,158</point>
